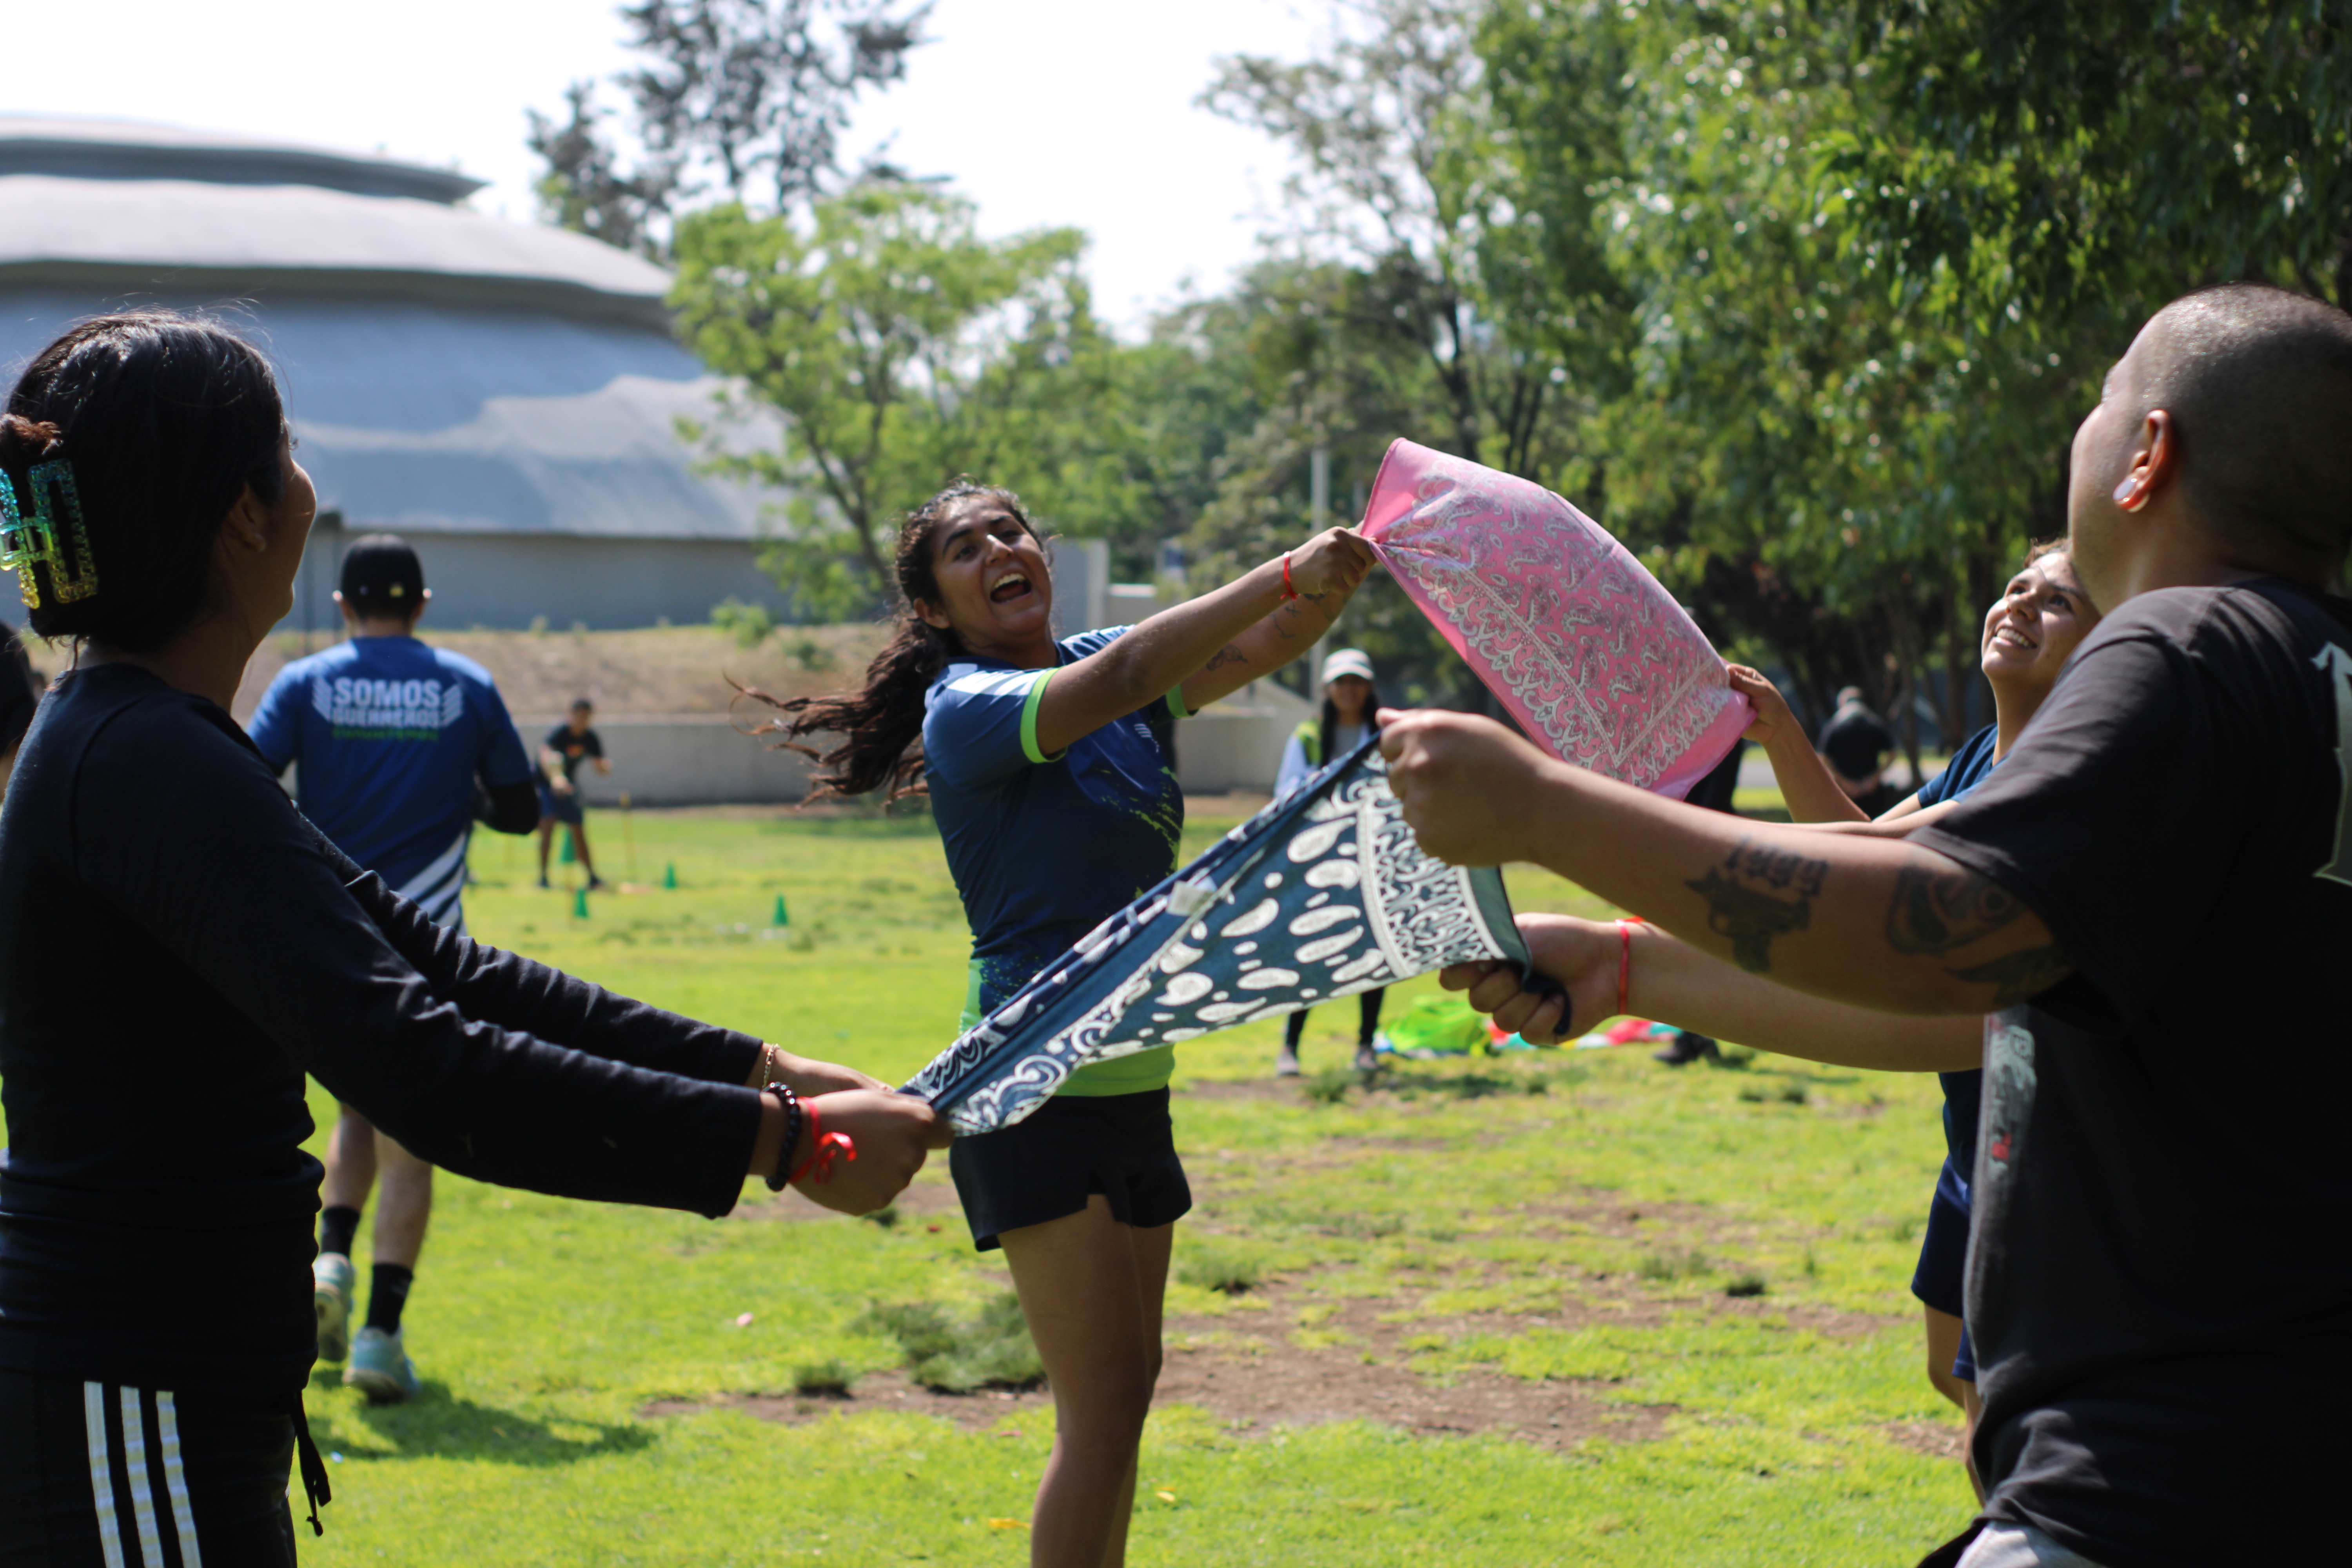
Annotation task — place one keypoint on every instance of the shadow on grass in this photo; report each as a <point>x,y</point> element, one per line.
<point>438,1426</point>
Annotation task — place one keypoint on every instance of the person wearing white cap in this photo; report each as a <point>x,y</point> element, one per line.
<point>1349,703</point>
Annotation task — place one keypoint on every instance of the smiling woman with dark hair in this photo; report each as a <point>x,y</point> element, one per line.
<point>1051,775</point>
<point>178,945</point>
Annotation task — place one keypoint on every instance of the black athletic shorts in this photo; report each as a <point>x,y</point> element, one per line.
<point>94,1474</point>
<point>1120,1145</point>
<point>561,808</point>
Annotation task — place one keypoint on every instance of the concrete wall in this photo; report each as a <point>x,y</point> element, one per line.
<point>684,759</point>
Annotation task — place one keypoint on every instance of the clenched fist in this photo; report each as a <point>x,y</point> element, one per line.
<point>1464,783</point>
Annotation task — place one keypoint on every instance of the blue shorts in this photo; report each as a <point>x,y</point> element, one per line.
<point>563,807</point>
<point>1940,1280</point>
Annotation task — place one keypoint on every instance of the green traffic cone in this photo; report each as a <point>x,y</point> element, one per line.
<point>580,903</point>
<point>569,856</point>
<point>669,876</point>
<point>783,917</point>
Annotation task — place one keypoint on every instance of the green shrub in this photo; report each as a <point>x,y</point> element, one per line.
<point>825,1377</point>
<point>1215,1265</point>
<point>1672,1263</point>
<point>748,625</point>
<point>991,1348</point>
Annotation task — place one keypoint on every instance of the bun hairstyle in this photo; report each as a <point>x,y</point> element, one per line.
<point>881,726</point>
<point>165,420</point>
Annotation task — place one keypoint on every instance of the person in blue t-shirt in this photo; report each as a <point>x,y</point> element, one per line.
<point>401,748</point>
<point>1049,766</point>
<point>2029,634</point>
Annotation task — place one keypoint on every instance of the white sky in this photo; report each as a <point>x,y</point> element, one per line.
<point>1045,112</point>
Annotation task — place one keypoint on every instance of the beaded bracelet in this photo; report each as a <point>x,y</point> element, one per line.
<point>794,1115</point>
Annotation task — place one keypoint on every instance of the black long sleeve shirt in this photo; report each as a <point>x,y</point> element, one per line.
<point>178,945</point>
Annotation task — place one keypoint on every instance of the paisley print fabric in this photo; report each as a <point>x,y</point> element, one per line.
<point>1589,652</point>
<point>1322,894</point>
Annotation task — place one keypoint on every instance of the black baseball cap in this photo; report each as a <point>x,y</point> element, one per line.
<point>383,576</point>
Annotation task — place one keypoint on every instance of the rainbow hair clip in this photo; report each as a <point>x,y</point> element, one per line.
<point>33,538</point>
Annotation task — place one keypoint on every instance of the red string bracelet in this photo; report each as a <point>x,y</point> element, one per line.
<point>1624,959</point>
<point>1288,593</point>
<point>824,1147</point>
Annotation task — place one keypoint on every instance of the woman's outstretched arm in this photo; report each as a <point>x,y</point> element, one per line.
<point>1210,645</point>
<point>1675,982</point>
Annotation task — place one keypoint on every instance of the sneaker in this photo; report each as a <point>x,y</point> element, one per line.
<point>1368,1060</point>
<point>597,884</point>
<point>542,884</point>
<point>1687,1048</point>
<point>380,1368</point>
<point>330,1298</point>
<point>1286,1062</point>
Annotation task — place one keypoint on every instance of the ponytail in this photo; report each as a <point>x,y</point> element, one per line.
<point>881,725</point>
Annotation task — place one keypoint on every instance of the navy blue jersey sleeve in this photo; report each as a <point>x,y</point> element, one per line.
<point>502,759</point>
<point>980,727</point>
<point>277,726</point>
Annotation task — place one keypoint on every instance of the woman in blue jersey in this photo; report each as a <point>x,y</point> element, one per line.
<point>2029,634</point>
<point>1050,771</point>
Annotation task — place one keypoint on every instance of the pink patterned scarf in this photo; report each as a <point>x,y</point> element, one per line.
<point>1589,652</point>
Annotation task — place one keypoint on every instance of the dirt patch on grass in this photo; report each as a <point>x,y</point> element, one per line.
<point>1253,1378</point>
<point>1937,1439</point>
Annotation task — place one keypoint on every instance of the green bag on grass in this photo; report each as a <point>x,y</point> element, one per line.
<point>1440,1026</point>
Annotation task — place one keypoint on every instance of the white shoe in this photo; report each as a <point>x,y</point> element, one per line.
<point>380,1368</point>
<point>331,1274</point>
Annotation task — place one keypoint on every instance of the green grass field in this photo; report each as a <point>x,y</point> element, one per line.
<point>1709,1264</point>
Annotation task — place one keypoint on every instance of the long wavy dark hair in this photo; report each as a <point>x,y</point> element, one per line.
<point>881,725</point>
<point>1330,731</point>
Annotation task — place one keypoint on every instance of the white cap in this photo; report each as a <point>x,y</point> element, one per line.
<point>1346,661</point>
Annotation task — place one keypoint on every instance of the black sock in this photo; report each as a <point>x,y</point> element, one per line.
<point>1292,1030</point>
<point>337,1225</point>
<point>388,1295</point>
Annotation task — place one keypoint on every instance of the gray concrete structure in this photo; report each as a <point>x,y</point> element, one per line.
<point>506,394</point>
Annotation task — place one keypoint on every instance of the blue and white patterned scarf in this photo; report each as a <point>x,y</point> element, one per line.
<point>1323,893</point>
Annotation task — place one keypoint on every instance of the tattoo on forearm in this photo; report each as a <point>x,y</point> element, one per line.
<point>1935,912</point>
<point>2020,976</point>
<point>1229,654</point>
<point>1757,894</point>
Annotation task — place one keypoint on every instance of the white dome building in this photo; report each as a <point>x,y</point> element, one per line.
<point>504,394</point>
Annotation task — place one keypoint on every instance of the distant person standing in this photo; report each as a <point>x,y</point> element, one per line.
<point>19,694</point>
<point>1349,703</point>
<point>401,747</point>
<point>567,746</point>
<point>1856,742</point>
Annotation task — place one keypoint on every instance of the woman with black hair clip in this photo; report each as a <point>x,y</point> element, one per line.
<point>1351,703</point>
<point>177,945</point>
<point>1048,767</point>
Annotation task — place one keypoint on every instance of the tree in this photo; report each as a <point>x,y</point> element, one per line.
<point>2057,159</point>
<point>901,349</point>
<point>743,97</point>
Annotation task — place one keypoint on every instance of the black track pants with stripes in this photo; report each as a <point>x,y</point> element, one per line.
<point>96,1474</point>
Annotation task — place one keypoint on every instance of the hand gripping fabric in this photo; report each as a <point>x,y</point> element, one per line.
<point>1322,894</point>
<point>1589,652</point>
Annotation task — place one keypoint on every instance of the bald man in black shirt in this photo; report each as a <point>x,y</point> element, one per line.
<point>2160,1282</point>
<point>19,693</point>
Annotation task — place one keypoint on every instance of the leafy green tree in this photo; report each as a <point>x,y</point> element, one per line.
<point>746,97</point>
<point>900,348</point>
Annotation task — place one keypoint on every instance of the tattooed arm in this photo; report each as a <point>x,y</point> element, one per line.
<point>1271,642</point>
<point>1669,980</point>
<point>1879,923</point>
